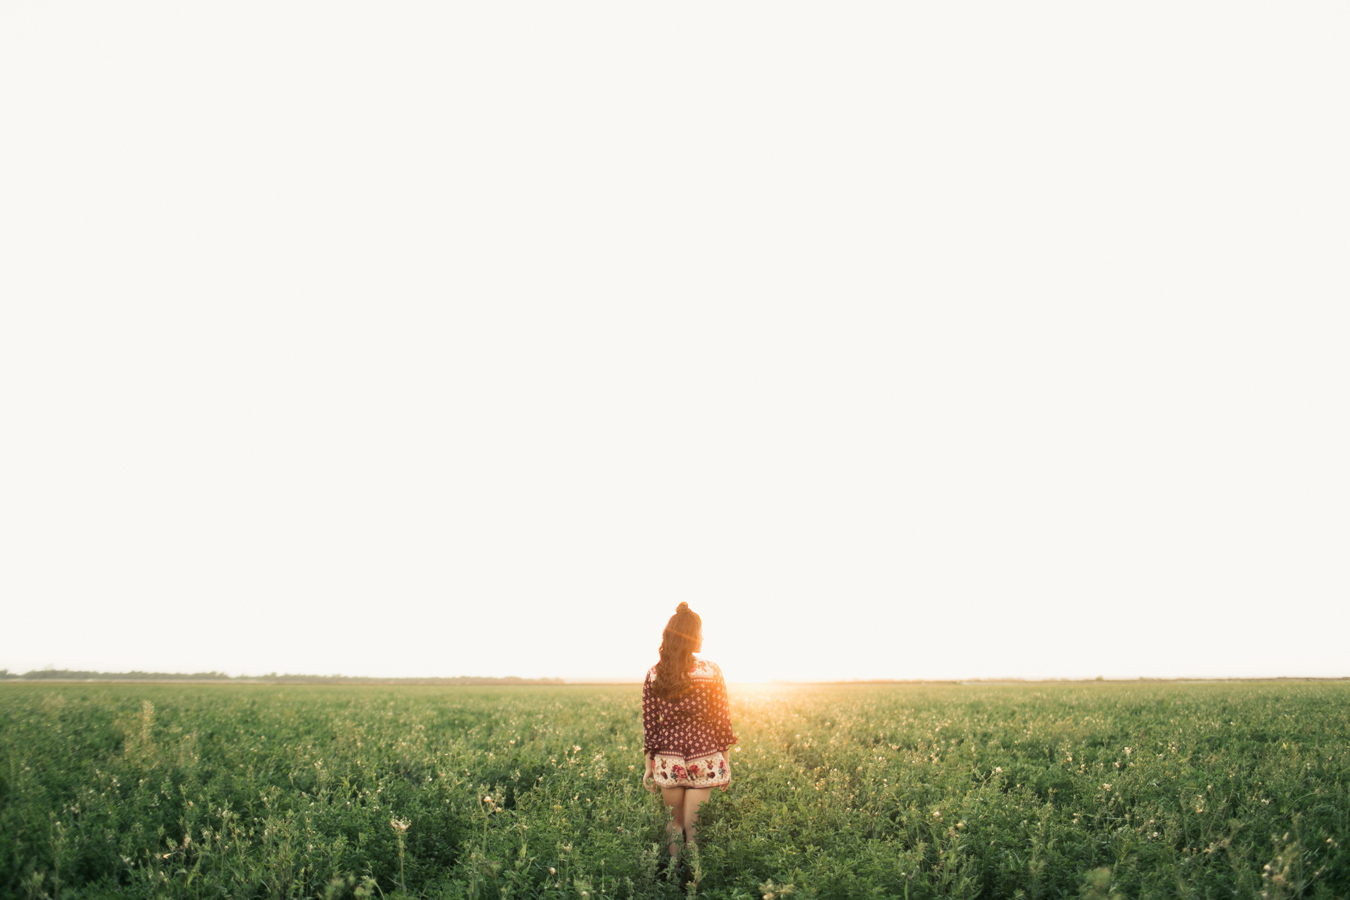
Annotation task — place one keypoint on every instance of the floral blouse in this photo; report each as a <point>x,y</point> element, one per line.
<point>696,723</point>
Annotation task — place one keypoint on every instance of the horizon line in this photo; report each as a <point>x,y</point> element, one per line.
<point>53,675</point>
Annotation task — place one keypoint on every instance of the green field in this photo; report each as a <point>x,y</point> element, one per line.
<point>1064,790</point>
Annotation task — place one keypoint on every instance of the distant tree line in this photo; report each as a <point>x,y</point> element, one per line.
<point>271,678</point>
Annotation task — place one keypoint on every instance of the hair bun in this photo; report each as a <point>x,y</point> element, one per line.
<point>683,607</point>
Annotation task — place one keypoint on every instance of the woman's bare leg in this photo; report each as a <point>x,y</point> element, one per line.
<point>693,799</point>
<point>674,800</point>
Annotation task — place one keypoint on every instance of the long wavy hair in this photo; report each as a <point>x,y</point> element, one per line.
<point>682,635</point>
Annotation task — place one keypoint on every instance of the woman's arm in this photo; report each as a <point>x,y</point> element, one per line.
<point>723,717</point>
<point>648,775</point>
<point>648,714</point>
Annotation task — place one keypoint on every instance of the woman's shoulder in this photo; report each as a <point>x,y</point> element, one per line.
<point>706,668</point>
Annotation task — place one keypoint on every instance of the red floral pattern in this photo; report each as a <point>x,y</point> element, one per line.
<point>706,771</point>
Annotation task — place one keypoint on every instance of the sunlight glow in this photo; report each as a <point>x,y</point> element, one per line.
<point>902,341</point>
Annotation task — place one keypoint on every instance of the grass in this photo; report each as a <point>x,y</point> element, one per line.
<point>1066,790</point>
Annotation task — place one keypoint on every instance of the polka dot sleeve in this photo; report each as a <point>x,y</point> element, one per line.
<point>648,716</point>
<point>722,712</point>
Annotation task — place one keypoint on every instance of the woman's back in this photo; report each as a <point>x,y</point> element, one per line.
<point>693,723</point>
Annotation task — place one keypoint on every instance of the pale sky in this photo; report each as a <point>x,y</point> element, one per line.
<point>928,340</point>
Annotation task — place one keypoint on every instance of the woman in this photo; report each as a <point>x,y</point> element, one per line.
<point>687,727</point>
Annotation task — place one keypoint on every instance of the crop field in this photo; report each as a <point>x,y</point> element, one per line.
<point>1041,790</point>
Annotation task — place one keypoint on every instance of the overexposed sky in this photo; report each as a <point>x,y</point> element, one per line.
<point>900,340</point>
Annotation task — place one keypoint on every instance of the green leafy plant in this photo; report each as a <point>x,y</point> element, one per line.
<point>363,791</point>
